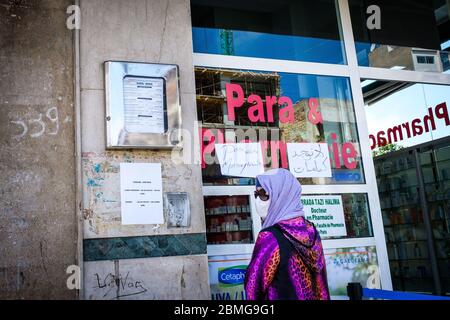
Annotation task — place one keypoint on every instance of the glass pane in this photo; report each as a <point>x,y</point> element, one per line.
<point>411,34</point>
<point>294,108</point>
<point>354,264</point>
<point>301,30</point>
<point>228,220</point>
<point>435,163</point>
<point>357,215</point>
<point>406,237</point>
<point>405,232</point>
<point>415,113</point>
<point>417,119</point>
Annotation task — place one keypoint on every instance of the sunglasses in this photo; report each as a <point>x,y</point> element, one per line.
<point>261,193</point>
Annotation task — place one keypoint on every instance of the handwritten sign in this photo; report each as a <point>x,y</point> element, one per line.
<point>327,213</point>
<point>240,159</point>
<point>141,193</point>
<point>308,160</point>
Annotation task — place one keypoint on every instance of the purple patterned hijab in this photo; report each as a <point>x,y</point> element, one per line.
<point>284,192</point>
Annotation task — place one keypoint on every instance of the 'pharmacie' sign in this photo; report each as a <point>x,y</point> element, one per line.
<point>411,129</point>
<point>342,155</point>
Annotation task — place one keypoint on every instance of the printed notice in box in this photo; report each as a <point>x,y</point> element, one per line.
<point>240,159</point>
<point>144,104</point>
<point>327,213</point>
<point>141,193</point>
<point>307,160</point>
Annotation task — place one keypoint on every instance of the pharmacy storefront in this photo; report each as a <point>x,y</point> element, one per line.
<point>279,83</point>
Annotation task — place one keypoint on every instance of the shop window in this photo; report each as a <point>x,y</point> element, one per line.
<point>301,30</point>
<point>406,28</point>
<point>295,108</point>
<point>435,161</point>
<point>416,113</point>
<point>356,215</point>
<point>228,220</point>
<point>419,122</point>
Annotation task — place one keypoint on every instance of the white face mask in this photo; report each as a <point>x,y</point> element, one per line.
<point>262,207</point>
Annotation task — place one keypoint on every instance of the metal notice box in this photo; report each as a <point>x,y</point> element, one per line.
<point>142,105</point>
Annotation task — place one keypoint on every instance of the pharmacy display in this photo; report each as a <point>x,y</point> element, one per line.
<point>142,105</point>
<point>228,220</point>
<point>327,213</point>
<point>141,193</point>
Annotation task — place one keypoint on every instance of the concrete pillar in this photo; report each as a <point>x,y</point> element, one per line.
<point>151,261</point>
<point>38,227</point>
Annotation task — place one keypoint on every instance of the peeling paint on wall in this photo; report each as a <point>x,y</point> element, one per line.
<point>101,191</point>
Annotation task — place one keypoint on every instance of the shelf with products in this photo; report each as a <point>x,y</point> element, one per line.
<point>229,237</point>
<point>413,187</point>
<point>413,278</point>
<point>395,173</point>
<point>441,219</point>
<point>228,220</point>
<point>406,241</point>
<point>215,232</point>
<point>434,163</point>
<point>412,205</point>
<point>410,269</point>
<point>406,216</point>
<point>437,200</point>
<point>225,225</point>
<point>228,214</point>
<point>441,183</point>
<point>409,259</point>
<point>403,224</point>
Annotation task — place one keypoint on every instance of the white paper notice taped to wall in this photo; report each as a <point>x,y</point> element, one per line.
<point>141,193</point>
<point>308,160</point>
<point>240,159</point>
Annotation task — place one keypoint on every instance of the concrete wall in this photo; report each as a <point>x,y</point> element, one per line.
<point>38,233</point>
<point>141,31</point>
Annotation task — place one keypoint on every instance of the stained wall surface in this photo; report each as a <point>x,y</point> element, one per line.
<point>38,226</point>
<point>159,262</point>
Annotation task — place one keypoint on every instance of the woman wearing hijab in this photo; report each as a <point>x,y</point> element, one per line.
<point>288,261</point>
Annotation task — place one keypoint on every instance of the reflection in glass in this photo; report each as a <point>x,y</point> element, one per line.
<point>413,113</point>
<point>357,215</point>
<point>399,188</point>
<point>300,30</point>
<point>435,163</point>
<point>228,220</point>
<point>413,35</point>
<point>302,97</point>
<point>405,233</point>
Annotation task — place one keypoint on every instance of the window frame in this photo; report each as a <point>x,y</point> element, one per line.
<point>354,73</point>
